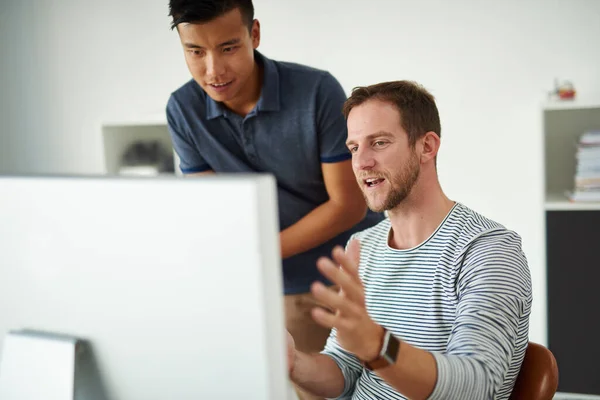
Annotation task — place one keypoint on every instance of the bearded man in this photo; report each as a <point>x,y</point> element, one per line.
<point>435,303</point>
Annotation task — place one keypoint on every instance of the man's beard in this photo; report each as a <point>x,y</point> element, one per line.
<point>400,186</point>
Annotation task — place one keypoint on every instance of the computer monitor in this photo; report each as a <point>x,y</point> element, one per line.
<point>176,283</point>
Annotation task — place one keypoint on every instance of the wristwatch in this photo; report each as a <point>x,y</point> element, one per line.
<point>388,353</point>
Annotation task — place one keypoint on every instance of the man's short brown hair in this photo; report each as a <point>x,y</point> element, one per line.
<point>418,112</point>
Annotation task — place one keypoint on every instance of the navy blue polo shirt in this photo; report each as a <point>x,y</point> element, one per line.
<point>296,125</point>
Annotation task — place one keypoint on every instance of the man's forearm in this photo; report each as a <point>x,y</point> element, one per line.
<point>414,374</point>
<point>318,374</point>
<point>320,225</point>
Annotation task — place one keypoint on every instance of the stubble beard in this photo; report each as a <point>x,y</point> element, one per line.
<point>401,186</point>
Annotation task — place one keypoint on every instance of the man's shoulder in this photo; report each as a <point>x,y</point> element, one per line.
<point>289,67</point>
<point>470,222</point>
<point>303,76</point>
<point>478,220</point>
<point>476,231</point>
<point>492,253</point>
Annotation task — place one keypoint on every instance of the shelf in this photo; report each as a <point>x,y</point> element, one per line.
<point>118,136</point>
<point>575,396</point>
<point>562,131</point>
<point>576,104</point>
<point>558,202</point>
<point>146,120</point>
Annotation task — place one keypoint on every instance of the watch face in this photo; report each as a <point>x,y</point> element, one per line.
<point>388,355</point>
<point>391,352</point>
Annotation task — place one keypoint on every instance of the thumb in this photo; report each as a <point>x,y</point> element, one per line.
<point>291,353</point>
<point>353,252</point>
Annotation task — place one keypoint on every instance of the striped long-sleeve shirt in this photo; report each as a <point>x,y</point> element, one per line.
<point>464,294</point>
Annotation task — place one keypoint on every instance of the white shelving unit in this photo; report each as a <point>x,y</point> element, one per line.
<point>145,120</point>
<point>575,104</point>
<point>560,202</point>
<point>564,122</point>
<point>571,234</point>
<point>118,135</point>
<point>575,396</point>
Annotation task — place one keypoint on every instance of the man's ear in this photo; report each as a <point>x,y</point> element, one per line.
<point>431,146</point>
<point>255,33</point>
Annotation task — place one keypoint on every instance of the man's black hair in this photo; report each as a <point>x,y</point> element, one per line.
<point>201,11</point>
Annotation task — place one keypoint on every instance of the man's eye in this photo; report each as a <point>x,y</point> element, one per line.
<point>353,149</point>
<point>379,143</point>
<point>228,49</point>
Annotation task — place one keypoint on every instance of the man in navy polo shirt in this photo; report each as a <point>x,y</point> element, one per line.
<point>243,112</point>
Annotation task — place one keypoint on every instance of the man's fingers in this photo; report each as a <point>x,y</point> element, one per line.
<point>350,293</point>
<point>349,259</point>
<point>342,276</point>
<point>327,297</point>
<point>323,318</point>
<point>352,289</point>
<point>353,253</point>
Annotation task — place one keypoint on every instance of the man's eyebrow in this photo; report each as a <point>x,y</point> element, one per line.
<point>192,46</point>
<point>230,42</point>
<point>227,43</point>
<point>372,136</point>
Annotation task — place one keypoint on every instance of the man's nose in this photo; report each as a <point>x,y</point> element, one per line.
<point>363,159</point>
<point>214,66</point>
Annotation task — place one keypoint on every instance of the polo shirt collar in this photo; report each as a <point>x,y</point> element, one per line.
<point>269,95</point>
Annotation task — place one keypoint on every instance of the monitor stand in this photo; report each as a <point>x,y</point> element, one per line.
<point>41,365</point>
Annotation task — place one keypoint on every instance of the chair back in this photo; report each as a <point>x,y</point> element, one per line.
<point>538,377</point>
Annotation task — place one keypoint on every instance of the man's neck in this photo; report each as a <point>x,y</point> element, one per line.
<point>249,94</point>
<point>418,216</point>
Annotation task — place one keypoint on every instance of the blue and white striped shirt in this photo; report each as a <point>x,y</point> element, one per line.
<point>464,294</point>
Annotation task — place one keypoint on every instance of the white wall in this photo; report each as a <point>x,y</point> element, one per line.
<point>21,105</point>
<point>489,63</point>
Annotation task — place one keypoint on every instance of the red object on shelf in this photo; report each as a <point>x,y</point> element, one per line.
<point>565,91</point>
<point>566,94</point>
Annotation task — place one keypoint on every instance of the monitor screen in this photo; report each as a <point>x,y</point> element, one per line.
<point>176,283</point>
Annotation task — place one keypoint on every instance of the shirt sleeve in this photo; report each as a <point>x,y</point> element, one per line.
<point>190,159</point>
<point>494,302</point>
<point>348,363</point>
<point>331,123</point>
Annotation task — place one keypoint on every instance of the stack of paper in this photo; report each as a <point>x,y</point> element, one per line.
<point>587,176</point>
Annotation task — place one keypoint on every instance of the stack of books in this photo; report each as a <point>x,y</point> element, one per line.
<point>587,175</point>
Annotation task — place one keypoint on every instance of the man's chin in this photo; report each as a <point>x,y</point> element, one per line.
<point>218,97</point>
<point>376,206</point>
